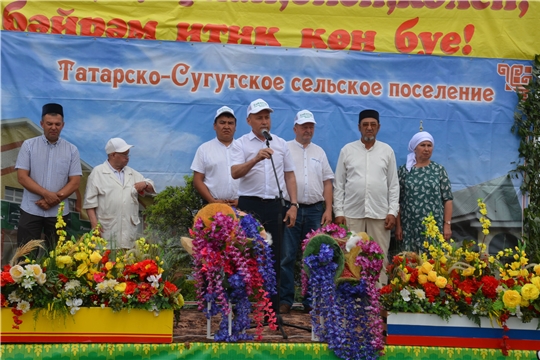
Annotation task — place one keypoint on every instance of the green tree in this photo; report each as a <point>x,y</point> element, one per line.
<point>527,126</point>
<point>171,214</point>
<point>168,219</point>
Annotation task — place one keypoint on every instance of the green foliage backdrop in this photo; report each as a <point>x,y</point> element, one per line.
<point>527,126</point>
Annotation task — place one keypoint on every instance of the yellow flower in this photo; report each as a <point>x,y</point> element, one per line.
<point>537,269</point>
<point>109,265</point>
<point>120,287</point>
<point>180,300</point>
<point>469,257</point>
<point>432,276</point>
<point>443,259</point>
<point>535,280</point>
<point>511,299</point>
<point>426,267</point>
<point>422,279</point>
<point>524,273</point>
<point>441,282</point>
<point>95,257</point>
<point>529,292</point>
<point>80,256</point>
<point>82,269</point>
<point>513,273</point>
<point>485,232</point>
<point>62,261</point>
<point>468,271</point>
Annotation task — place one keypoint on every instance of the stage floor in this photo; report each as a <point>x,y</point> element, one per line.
<point>193,327</point>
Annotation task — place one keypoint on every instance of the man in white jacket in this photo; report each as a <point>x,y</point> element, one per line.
<point>112,195</point>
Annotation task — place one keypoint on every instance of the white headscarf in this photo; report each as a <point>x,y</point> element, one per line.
<point>417,139</point>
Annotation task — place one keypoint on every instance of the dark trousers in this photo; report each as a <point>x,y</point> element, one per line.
<point>308,218</point>
<point>270,214</point>
<point>31,227</point>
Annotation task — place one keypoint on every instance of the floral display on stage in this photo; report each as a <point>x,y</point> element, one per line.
<point>85,273</point>
<point>463,279</point>
<point>340,273</point>
<point>233,265</point>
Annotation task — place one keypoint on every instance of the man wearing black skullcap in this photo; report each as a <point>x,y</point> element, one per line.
<point>49,169</point>
<point>366,187</point>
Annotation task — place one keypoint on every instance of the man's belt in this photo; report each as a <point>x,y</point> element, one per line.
<point>306,205</point>
<point>256,198</point>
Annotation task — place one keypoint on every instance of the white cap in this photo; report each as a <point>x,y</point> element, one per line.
<point>224,109</point>
<point>257,106</point>
<point>304,116</point>
<point>117,145</point>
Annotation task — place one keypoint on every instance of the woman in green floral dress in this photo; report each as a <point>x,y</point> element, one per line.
<point>424,188</point>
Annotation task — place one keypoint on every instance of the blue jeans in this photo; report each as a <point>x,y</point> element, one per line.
<point>309,218</point>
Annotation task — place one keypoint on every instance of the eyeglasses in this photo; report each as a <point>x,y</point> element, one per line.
<point>125,155</point>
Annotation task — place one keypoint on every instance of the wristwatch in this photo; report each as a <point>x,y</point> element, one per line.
<point>448,222</point>
<point>296,204</point>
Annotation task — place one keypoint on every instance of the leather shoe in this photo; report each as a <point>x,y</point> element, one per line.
<point>307,309</point>
<point>284,308</point>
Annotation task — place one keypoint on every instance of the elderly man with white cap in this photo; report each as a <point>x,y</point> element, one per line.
<point>212,163</point>
<point>422,175</point>
<point>259,193</point>
<point>112,193</point>
<point>314,182</point>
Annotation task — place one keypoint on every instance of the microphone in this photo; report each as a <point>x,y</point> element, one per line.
<point>266,134</point>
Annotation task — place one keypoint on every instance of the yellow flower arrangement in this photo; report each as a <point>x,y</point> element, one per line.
<point>449,279</point>
<point>84,272</point>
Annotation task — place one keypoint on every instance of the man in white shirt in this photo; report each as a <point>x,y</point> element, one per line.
<point>111,196</point>
<point>212,163</point>
<point>366,188</point>
<point>259,193</point>
<point>314,182</point>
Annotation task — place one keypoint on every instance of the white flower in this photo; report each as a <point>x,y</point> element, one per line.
<point>41,278</point>
<point>154,280</point>
<point>420,294</point>
<point>106,286</point>
<point>155,309</point>
<point>24,306</point>
<point>27,283</point>
<point>33,270</point>
<point>518,313</point>
<point>352,242</point>
<point>12,297</point>
<point>16,272</point>
<point>72,284</point>
<point>74,304</point>
<point>405,294</point>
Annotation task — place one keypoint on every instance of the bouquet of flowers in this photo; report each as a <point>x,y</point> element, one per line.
<point>233,264</point>
<point>341,271</point>
<point>449,279</point>
<point>84,273</point>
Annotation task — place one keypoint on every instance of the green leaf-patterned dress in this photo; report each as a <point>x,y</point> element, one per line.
<point>422,191</point>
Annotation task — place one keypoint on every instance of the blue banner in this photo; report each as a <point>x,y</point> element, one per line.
<point>162,97</point>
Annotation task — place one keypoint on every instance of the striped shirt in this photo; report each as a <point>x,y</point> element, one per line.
<point>50,166</point>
